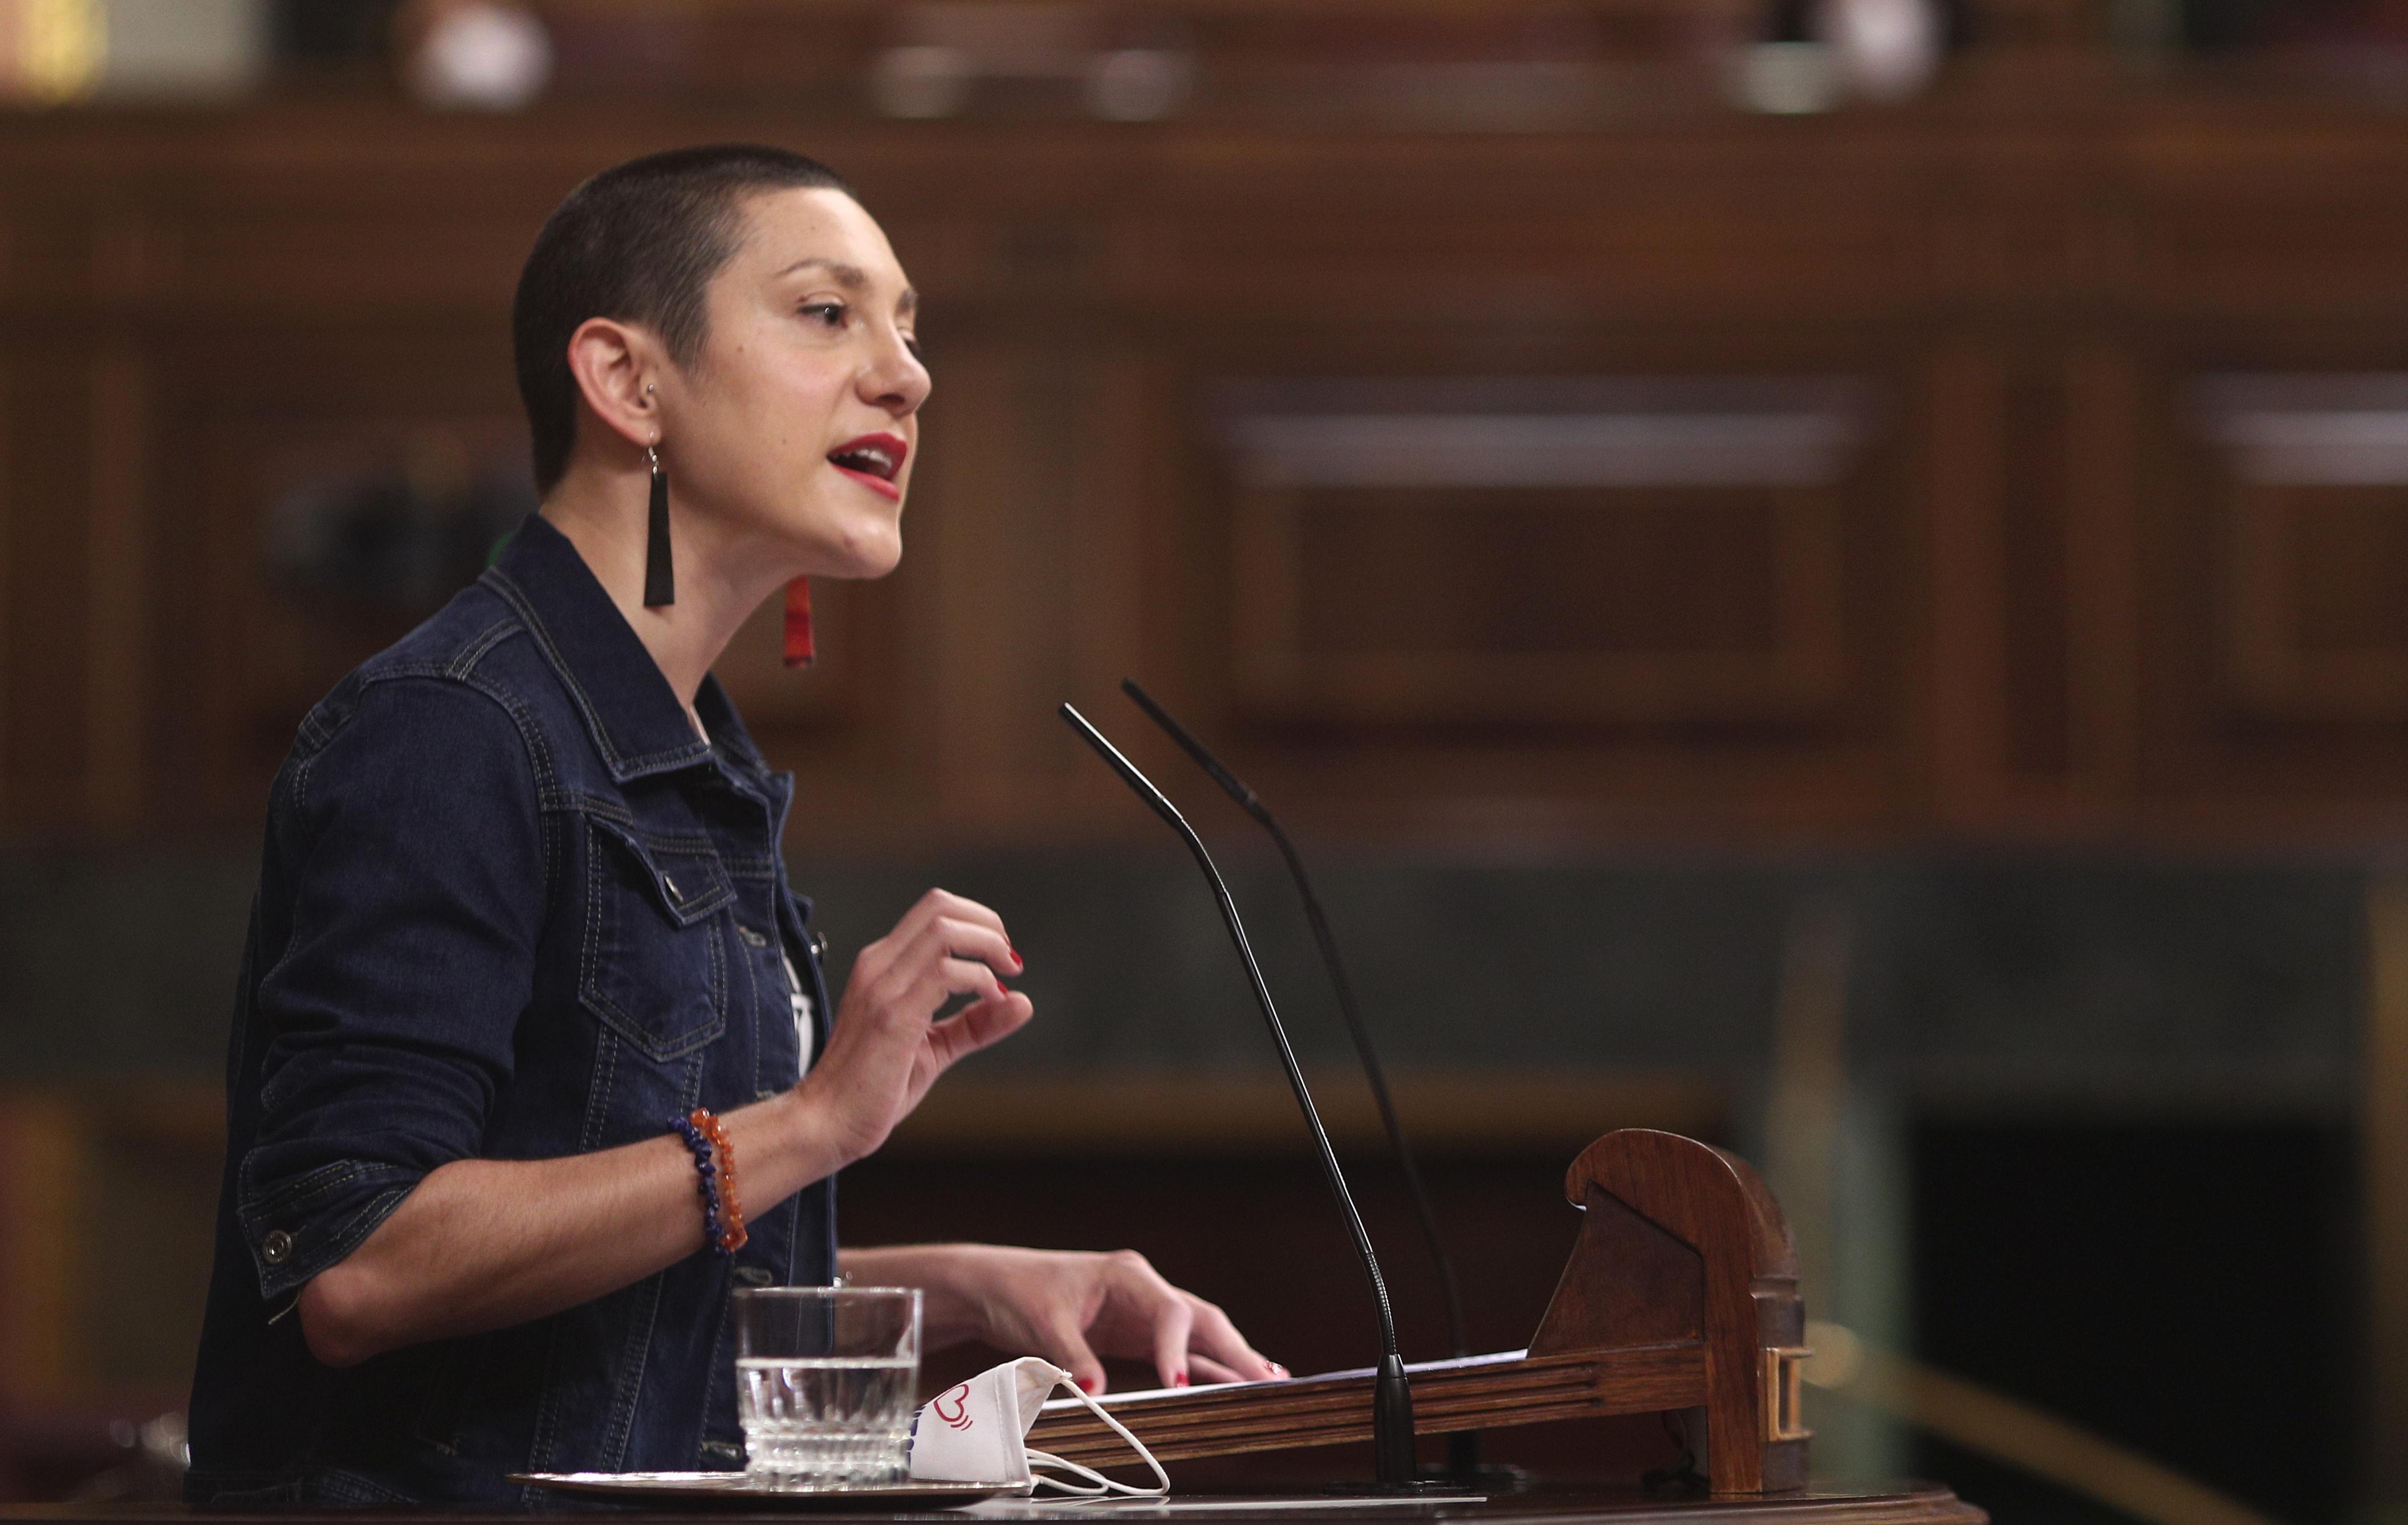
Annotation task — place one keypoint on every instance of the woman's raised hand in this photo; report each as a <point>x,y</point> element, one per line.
<point>887,1046</point>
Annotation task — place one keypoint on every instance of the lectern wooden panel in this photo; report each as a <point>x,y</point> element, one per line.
<point>1681,1296</point>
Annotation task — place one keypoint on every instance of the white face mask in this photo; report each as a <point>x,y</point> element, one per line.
<point>978,1433</point>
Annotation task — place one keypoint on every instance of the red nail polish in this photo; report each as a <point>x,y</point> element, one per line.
<point>1087,1384</point>
<point>1179,1381</point>
<point>1017,962</point>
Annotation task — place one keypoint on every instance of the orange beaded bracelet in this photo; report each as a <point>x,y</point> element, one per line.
<point>732,1235</point>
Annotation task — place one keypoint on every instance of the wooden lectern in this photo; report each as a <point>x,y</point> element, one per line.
<point>1681,1297</point>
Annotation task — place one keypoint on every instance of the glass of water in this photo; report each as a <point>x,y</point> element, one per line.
<point>824,1377</point>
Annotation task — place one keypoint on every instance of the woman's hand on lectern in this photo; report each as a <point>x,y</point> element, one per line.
<point>887,1046</point>
<point>1072,1307</point>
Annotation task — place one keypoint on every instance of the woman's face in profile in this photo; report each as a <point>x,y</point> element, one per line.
<point>799,417</point>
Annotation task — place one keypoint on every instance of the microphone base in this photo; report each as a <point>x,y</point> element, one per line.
<point>1392,1425</point>
<point>1487,1479</point>
<point>1392,1442</point>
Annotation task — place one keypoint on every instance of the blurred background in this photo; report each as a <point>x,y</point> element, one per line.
<point>1833,576</point>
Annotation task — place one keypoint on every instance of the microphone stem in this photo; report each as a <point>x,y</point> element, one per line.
<point>1303,1097</point>
<point>1392,1402</point>
<point>1251,804</point>
<point>1371,1072</point>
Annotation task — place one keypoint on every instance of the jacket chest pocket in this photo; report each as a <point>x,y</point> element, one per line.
<point>654,964</point>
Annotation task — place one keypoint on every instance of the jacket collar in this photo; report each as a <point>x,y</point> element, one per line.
<point>626,703</point>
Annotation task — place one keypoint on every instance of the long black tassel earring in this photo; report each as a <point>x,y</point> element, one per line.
<point>660,577</point>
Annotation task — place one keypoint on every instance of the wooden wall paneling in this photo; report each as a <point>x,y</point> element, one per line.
<point>1458,594</point>
<point>117,776</point>
<point>2037,23</point>
<point>53,710</point>
<point>1050,462</point>
<point>42,244</point>
<point>2316,591</point>
<point>88,516</point>
<point>2311,243</point>
<point>192,306</point>
<point>2105,378</point>
<point>1609,571</point>
<point>156,1149</point>
<point>1961,459</point>
<point>2037,228</point>
<point>315,448</point>
<point>2277,683</point>
<point>997,575</point>
<point>2316,521</point>
<point>105,1309</point>
<point>1466,234</point>
<point>2033,518</point>
<point>2178,597</point>
<point>74,243</point>
<point>382,223</point>
<point>207,777</point>
<point>41,1225</point>
<point>1127,492</point>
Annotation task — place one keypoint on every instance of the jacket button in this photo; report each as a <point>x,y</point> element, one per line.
<point>753,1275</point>
<point>276,1248</point>
<point>749,935</point>
<point>819,944</point>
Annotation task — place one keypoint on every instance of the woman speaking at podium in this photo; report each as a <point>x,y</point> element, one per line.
<point>532,1061</point>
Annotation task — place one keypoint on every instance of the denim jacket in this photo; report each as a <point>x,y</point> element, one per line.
<point>510,907</point>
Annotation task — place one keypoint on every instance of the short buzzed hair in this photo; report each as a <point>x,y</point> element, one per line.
<point>638,243</point>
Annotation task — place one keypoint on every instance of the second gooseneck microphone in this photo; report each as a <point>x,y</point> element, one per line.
<point>1253,805</point>
<point>1463,1448</point>
<point>1392,1400</point>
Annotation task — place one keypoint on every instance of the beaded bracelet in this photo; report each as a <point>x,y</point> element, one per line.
<point>733,1237</point>
<point>707,1175</point>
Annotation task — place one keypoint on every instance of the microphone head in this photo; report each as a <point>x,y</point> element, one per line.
<point>1230,784</point>
<point>1125,769</point>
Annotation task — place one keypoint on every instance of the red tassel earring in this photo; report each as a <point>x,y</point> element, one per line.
<point>799,624</point>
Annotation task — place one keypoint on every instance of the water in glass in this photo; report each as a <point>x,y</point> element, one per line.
<point>824,1383</point>
<point>842,1419</point>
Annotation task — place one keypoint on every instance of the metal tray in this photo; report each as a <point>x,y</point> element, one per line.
<point>735,1490</point>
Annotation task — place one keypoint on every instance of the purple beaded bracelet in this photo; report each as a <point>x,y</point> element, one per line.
<point>707,1182</point>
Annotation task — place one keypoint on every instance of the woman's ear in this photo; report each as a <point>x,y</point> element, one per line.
<point>611,360</point>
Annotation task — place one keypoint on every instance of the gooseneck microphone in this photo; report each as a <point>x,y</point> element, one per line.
<point>1392,1399</point>
<point>1253,805</point>
<point>1463,1458</point>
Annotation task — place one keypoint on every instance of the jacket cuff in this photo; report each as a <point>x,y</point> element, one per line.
<point>306,1225</point>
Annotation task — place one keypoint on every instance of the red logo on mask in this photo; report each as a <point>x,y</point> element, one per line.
<point>959,1415</point>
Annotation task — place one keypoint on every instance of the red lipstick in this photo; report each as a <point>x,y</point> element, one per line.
<point>873,460</point>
